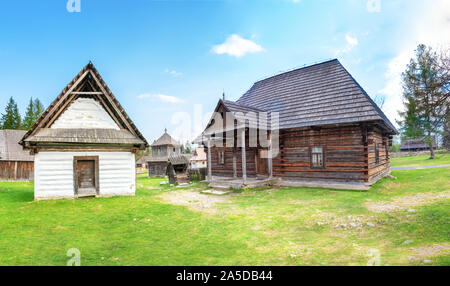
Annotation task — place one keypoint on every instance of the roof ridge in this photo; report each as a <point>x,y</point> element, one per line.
<point>297,69</point>
<point>243,105</point>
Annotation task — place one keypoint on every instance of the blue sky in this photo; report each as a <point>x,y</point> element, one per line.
<point>165,59</point>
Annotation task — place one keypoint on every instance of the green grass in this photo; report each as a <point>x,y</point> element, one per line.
<point>265,226</point>
<point>440,158</point>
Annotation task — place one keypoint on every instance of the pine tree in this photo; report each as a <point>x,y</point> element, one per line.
<point>38,109</point>
<point>29,119</point>
<point>411,125</point>
<point>425,91</point>
<point>11,118</point>
<point>187,147</point>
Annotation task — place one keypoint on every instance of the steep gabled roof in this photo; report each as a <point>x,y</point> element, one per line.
<point>10,150</point>
<point>166,139</point>
<point>319,94</point>
<point>199,154</point>
<point>87,83</point>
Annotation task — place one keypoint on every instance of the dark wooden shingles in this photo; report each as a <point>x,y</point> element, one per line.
<point>321,94</point>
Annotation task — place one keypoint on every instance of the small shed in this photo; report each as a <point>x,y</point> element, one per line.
<point>84,143</point>
<point>414,145</point>
<point>177,168</point>
<point>16,164</point>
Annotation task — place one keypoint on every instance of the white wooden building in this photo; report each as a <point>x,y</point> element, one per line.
<point>84,143</point>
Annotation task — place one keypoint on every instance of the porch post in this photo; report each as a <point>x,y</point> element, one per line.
<point>244,157</point>
<point>234,166</point>
<point>269,161</point>
<point>209,159</point>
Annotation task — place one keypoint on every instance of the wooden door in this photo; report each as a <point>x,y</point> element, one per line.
<point>263,167</point>
<point>86,174</point>
<point>86,182</point>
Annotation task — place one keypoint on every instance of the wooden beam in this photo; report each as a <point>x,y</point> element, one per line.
<point>209,159</point>
<point>112,104</point>
<point>105,105</point>
<point>86,92</point>
<point>269,159</point>
<point>244,157</point>
<point>234,165</point>
<point>59,102</point>
<point>15,170</point>
<point>72,97</point>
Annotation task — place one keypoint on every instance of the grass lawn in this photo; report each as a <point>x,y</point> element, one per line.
<point>403,221</point>
<point>440,158</point>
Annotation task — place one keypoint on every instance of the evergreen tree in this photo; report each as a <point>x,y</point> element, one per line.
<point>411,125</point>
<point>29,119</point>
<point>425,96</point>
<point>187,147</point>
<point>11,118</point>
<point>38,109</point>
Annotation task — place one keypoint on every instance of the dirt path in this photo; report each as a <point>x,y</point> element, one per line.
<point>419,167</point>
<point>406,202</point>
<point>195,200</point>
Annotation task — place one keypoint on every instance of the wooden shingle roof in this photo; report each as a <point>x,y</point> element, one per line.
<point>87,83</point>
<point>166,139</point>
<point>10,150</point>
<point>320,94</point>
<point>87,136</point>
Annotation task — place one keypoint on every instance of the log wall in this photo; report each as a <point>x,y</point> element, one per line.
<point>382,168</point>
<point>226,170</point>
<point>344,157</point>
<point>16,171</point>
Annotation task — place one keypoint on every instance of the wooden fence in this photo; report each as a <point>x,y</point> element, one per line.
<point>16,171</point>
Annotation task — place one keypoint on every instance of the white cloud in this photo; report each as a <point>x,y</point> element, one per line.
<point>161,97</point>
<point>296,1</point>
<point>351,43</point>
<point>393,88</point>
<point>432,31</point>
<point>237,47</point>
<point>373,6</point>
<point>173,72</point>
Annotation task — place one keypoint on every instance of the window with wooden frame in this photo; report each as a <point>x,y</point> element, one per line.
<point>221,157</point>
<point>317,157</point>
<point>377,153</point>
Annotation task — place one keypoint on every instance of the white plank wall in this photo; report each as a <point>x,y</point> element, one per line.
<point>85,113</point>
<point>54,173</point>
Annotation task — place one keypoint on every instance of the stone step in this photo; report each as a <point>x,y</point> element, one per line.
<point>215,192</point>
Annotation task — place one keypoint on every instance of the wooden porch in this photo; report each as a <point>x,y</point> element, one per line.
<point>225,183</point>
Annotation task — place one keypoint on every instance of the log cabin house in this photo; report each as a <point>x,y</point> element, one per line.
<point>312,126</point>
<point>84,143</point>
<point>415,145</point>
<point>16,164</point>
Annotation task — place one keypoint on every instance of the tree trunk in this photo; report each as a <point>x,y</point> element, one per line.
<point>430,143</point>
